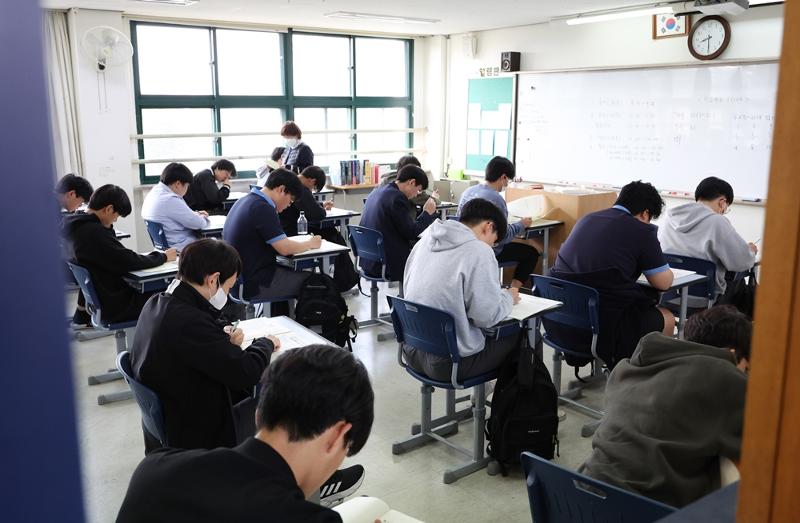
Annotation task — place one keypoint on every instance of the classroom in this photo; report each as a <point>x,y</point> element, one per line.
<point>555,121</point>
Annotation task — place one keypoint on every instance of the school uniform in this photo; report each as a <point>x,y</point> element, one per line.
<point>180,223</point>
<point>297,158</point>
<point>204,194</point>
<point>247,484</point>
<point>307,204</point>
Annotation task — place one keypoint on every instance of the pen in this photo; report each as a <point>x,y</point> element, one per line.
<point>233,327</point>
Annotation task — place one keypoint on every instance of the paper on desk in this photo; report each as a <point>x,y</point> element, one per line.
<point>216,221</point>
<point>366,509</point>
<point>676,274</point>
<point>529,206</point>
<point>531,306</point>
<point>261,327</point>
<point>169,266</point>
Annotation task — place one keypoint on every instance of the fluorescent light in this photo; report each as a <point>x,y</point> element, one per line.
<point>184,3</point>
<point>381,18</point>
<point>589,18</point>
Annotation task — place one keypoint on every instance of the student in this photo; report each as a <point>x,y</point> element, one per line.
<point>273,163</point>
<point>315,408</point>
<point>165,205</point>
<point>674,409</point>
<point>297,155</point>
<point>499,172</point>
<point>608,250</point>
<point>254,229</point>
<point>700,230</point>
<point>453,268</point>
<point>386,210</point>
<point>205,193</point>
<point>91,243</point>
<point>197,369</point>
<point>72,191</point>
<point>420,199</point>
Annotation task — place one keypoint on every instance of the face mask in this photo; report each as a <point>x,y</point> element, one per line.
<point>219,299</point>
<point>291,142</point>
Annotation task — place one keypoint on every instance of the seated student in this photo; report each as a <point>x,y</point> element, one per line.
<point>418,200</point>
<point>453,268</point>
<point>315,408</point>
<point>386,210</point>
<point>608,250</point>
<point>499,172</point>
<point>205,193</point>
<point>700,230</point>
<point>272,163</point>
<point>674,409</point>
<point>91,242</point>
<point>72,191</point>
<point>165,204</point>
<point>254,229</point>
<point>197,369</point>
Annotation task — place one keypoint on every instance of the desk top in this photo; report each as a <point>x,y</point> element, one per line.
<point>235,195</point>
<point>326,249</point>
<point>353,186</point>
<point>289,332</point>
<point>542,223</point>
<point>215,223</point>
<point>121,235</point>
<point>336,213</point>
<point>682,278</point>
<point>162,271</point>
<point>447,205</point>
<point>530,306</point>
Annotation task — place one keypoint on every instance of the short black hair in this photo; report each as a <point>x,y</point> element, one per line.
<point>712,188</point>
<point>309,389</point>
<point>721,326</point>
<point>287,179</point>
<point>413,172</point>
<point>72,182</point>
<point>641,196</point>
<point>277,153</point>
<point>176,172</point>
<point>207,256</point>
<point>477,210</point>
<point>111,195</point>
<point>408,159</point>
<point>312,172</point>
<point>497,167</point>
<point>224,165</point>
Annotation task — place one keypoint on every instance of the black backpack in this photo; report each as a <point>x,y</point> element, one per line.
<point>319,304</point>
<point>524,413</point>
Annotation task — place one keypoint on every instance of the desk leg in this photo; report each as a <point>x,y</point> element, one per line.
<point>343,231</point>
<point>684,307</point>
<point>325,264</point>
<point>546,253</point>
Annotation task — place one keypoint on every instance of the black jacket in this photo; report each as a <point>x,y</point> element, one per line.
<point>306,203</point>
<point>181,352</point>
<point>203,194</point>
<point>298,158</point>
<point>88,243</point>
<point>247,484</point>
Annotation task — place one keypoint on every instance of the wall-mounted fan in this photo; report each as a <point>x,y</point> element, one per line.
<point>106,47</point>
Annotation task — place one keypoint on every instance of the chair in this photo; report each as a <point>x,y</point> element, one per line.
<point>84,280</point>
<point>237,295</point>
<point>149,404</point>
<point>367,244</point>
<point>433,331</point>
<point>581,313</point>
<point>559,495</point>
<point>157,236</point>
<point>706,291</point>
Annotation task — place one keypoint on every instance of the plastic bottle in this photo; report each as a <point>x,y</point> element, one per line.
<point>302,224</point>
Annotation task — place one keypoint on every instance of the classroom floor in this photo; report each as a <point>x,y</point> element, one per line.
<point>111,442</point>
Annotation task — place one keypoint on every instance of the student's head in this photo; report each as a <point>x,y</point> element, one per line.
<point>73,191</point>
<point>411,180</point>
<point>177,177</point>
<point>642,200</point>
<point>500,170</point>
<point>291,133</point>
<point>223,170</point>
<point>407,160</point>
<point>725,327</point>
<point>313,178</point>
<point>485,219</point>
<point>209,265</point>
<point>318,397</point>
<point>715,193</point>
<point>283,187</point>
<point>108,203</point>
<point>277,153</point>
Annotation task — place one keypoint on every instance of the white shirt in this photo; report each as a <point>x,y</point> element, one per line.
<point>164,206</point>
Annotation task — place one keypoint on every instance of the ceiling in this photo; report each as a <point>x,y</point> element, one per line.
<point>456,16</point>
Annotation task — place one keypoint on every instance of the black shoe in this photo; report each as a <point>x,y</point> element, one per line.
<point>81,320</point>
<point>343,483</point>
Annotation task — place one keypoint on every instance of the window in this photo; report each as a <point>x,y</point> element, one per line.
<point>173,121</point>
<point>382,118</point>
<point>326,119</point>
<point>241,120</point>
<point>382,68</point>
<point>321,65</point>
<point>249,63</point>
<point>173,60</point>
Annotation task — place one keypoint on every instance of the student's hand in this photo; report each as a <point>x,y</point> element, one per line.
<point>328,205</point>
<point>435,194</point>
<point>172,254</point>
<point>514,292</point>
<point>526,222</point>
<point>315,242</point>
<point>275,341</point>
<point>753,247</point>
<point>236,335</point>
<point>201,213</point>
<point>430,206</point>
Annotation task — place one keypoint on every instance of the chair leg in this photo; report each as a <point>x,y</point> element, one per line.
<point>375,318</point>
<point>479,459</point>
<point>93,334</point>
<point>451,414</point>
<point>114,397</point>
<point>424,437</point>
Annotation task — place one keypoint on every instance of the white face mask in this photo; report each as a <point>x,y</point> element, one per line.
<point>219,299</point>
<point>291,142</point>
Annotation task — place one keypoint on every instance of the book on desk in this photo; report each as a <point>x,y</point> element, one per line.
<point>530,306</point>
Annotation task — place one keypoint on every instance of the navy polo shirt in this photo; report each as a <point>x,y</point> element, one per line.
<point>612,239</point>
<point>252,227</point>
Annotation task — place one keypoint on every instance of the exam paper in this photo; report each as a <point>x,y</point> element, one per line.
<point>290,339</point>
<point>531,306</point>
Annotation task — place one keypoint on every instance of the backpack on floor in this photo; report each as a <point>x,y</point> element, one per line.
<point>319,304</point>
<point>524,413</point>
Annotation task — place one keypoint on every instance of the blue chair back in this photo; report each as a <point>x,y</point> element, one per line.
<point>157,236</point>
<point>424,328</point>
<point>366,243</point>
<point>707,289</point>
<point>149,404</point>
<point>559,495</point>
<point>84,280</point>
<point>581,303</point>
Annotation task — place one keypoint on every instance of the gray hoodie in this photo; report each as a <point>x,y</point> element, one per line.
<point>692,229</point>
<point>450,269</point>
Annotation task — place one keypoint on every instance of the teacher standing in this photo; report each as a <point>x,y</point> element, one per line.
<point>297,155</point>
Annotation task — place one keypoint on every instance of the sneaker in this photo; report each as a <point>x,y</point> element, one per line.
<point>343,483</point>
<point>81,320</point>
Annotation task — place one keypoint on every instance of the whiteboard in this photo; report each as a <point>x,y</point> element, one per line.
<point>670,126</point>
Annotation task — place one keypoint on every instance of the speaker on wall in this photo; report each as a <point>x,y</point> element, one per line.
<point>509,61</point>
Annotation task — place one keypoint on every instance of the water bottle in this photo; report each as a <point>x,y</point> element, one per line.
<point>302,224</point>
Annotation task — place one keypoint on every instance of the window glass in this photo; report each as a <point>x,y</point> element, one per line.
<point>381,67</point>
<point>382,118</point>
<point>170,121</point>
<point>249,63</point>
<point>243,120</point>
<point>328,148</point>
<point>173,60</point>
<point>321,65</point>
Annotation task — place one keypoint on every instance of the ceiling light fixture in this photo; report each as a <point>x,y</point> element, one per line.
<point>183,3</point>
<point>602,16</point>
<point>381,18</point>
